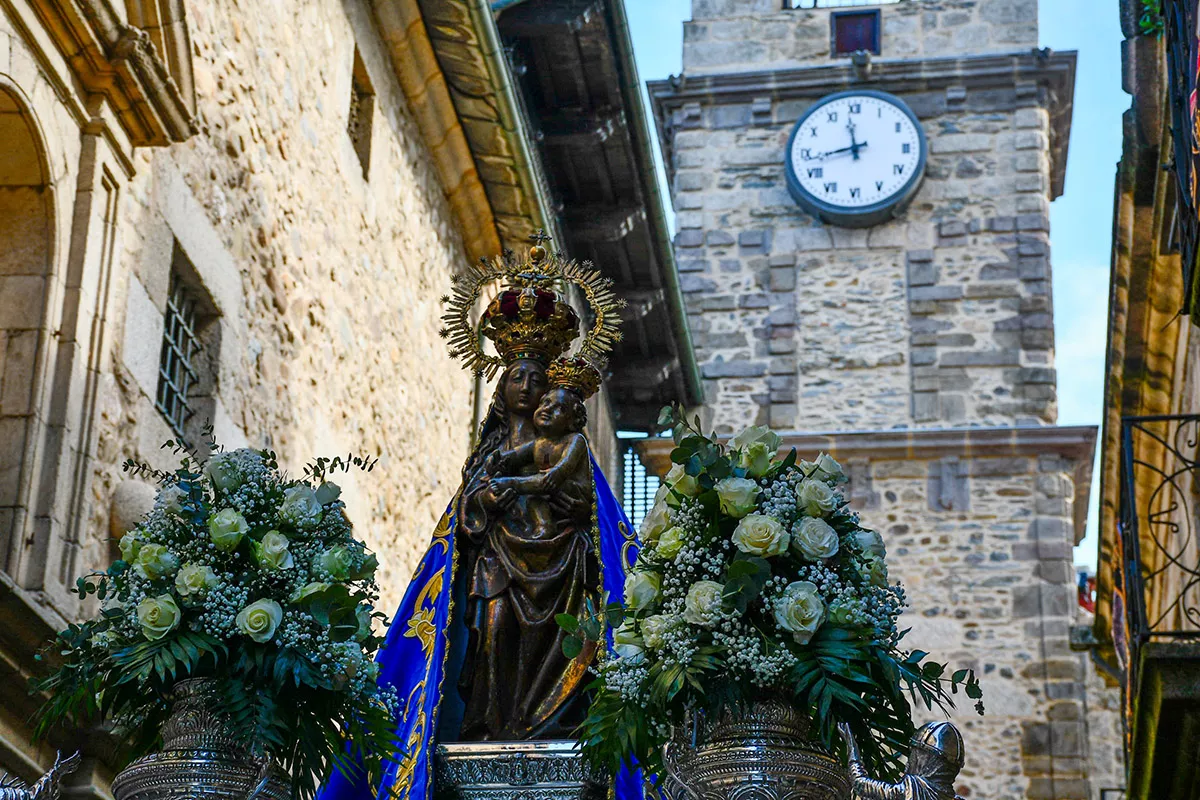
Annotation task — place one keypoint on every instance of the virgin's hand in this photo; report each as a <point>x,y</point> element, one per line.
<point>505,498</point>
<point>570,502</point>
<point>492,498</point>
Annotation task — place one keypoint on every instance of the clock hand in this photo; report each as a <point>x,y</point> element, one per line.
<point>852,148</point>
<point>854,145</point>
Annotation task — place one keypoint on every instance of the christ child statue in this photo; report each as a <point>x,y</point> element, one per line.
<point>557,458</point>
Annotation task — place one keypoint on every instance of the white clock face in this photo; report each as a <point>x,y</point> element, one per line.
<point>856,152</point>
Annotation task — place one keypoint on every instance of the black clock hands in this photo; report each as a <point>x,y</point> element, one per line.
<point>853,149</point>
<point>854,145</point>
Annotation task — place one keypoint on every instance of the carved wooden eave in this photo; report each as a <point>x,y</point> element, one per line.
<point>1074,443</point>
<point>1043,72</point>
<point>118,61</point>
<point>448,60</point>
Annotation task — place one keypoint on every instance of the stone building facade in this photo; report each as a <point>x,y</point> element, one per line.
<point>919,351</point>
<point>1145,626</point>
<point>282,190</point>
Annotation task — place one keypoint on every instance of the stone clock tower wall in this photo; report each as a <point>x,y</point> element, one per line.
<point>920,350</point>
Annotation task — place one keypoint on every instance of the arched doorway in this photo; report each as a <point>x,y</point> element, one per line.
<point>26,231</point>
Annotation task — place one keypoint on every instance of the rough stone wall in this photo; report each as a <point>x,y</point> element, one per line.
<point>984,552</point>
<point>327,284</point>
<point>744,35</point>
<point>942,316</point>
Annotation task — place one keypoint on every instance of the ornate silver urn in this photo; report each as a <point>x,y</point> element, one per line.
<point>199,758</point>
<point>763,751</point>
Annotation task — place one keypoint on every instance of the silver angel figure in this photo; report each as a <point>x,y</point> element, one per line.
<point>46,787</point>
<point>934,758</point>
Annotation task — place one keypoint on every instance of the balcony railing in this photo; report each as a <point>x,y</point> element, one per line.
<point>1159,526</point>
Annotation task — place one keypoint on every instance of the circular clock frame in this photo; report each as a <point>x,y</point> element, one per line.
<point>864,216</point>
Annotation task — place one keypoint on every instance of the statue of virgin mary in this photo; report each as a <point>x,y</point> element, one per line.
<point>474,651</point>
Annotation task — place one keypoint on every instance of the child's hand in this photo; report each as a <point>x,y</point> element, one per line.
<point>499,485</point>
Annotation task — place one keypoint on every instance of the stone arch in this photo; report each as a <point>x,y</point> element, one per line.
<point>27,229</point>
<point>165,21</point>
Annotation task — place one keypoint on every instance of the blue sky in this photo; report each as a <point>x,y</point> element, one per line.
<point>1080,220</point>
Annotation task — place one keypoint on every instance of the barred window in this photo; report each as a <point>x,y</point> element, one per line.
<point>185,366</point>
<point>638,485</point>
<point>176,370</point>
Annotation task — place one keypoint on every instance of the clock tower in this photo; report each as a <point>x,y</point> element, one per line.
<point>862,196</point>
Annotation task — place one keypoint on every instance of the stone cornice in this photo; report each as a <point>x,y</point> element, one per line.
<point>117,60</point>
<point>1055,72</point>
<point>1075,443</point>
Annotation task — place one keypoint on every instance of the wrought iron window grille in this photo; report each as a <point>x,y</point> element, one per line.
<point>177,373</point>
<point>637,484</point>
<point>1158,527</point>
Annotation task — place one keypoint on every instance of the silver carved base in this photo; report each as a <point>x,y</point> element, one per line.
<point>763,752</point>
<point>198,759</point>
<point>551,770</point>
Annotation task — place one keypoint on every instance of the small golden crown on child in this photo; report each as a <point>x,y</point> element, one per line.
<point>577,374</point>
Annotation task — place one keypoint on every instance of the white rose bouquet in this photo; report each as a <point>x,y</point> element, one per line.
<point>755,579</point>
<point>250,578</point>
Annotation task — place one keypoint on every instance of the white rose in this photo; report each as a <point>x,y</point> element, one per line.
<point>756,459</point>
<point>222,470</point>
<point>628,644</point>
<point>641,589</point>
<point>843,614</point>
<point>171,499</point>
<point>684,484</point>
<point>874,569</point>
<point>654,523</point>
<point>670,543</point>
<point>738,496</point>
<point>760,535</point>
<point>155,561</point>
<point>813,539</point>
<point>799,611</point>
<point>815,498</point>
<point>194,579</point>
<point>828,469</point>
<point>226,529</point>
<point>703,603</point>
<point>654,630</point>
<point>272,552</point>
<point>157,616</point>
<point>871,543</point>
<point>327,492</point>
<point>756,434</point>
<point>300,507</point>
<point>260,619</point>
<point>130,545</point>
<point>337,561</point>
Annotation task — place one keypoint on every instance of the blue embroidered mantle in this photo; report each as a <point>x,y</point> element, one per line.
<point>415,658</point>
